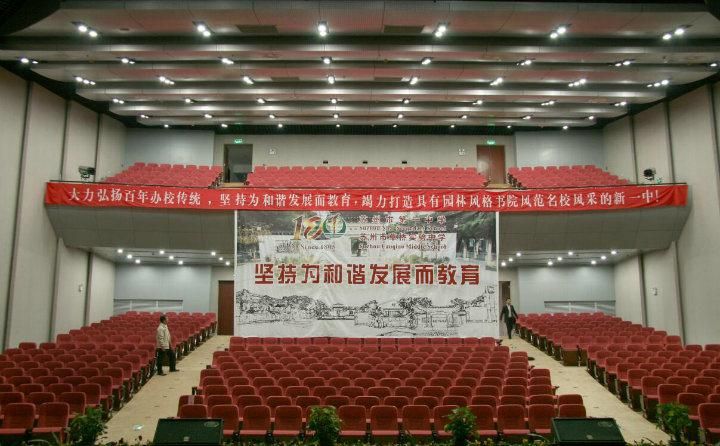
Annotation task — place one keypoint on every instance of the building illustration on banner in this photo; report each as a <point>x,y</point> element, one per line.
<point>366,274</point>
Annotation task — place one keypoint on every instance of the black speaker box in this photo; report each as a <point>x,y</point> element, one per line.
<point>586,431</point>
<point>198,432</point>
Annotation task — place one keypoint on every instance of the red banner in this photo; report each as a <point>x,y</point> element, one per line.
<point>504,200</point>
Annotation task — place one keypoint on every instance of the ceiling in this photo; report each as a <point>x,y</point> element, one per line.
<point>565,258</point>
<point>376,47</point>
<point>170,257</point>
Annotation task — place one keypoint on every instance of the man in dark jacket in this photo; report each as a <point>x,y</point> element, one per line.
<point>509,315</point>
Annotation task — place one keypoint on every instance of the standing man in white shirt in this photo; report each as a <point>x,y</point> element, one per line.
<point>163,345</point>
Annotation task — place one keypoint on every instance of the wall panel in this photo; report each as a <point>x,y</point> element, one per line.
<point>33,280</point>
<point>13,95</point>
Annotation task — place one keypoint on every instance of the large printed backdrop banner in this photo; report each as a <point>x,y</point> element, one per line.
<point>360,274</point>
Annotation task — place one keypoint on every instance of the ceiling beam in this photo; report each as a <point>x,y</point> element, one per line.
<point>400,46</point>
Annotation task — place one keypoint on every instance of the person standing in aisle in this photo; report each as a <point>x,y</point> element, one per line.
<point>163,346</point>
<point>509,315</point>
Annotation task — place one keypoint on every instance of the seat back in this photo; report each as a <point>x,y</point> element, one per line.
<point>384,418</point>
<point>229,413</point>
<point>19,416</point>
<point>53,414</point>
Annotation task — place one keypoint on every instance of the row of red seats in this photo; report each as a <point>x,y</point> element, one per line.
<point>168,175</point>
<point>47,420</point>
<point>78,398</point>
<point>562,176</point>
<point>642,366</point>
<point>339,176</point>
<point>370,373</point>
<point>384,422</point>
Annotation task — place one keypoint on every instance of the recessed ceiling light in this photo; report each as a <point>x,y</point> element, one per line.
<point>221,259</point>
<point>527,117</point>
<point>171,257</point>
<point>591,118</point>
<point>440,30</point>
<point>613,252</point>
<point>525,63</point>
<point>509,126</point>
<point>144,116</point>
<point>331,79</point>
<point>547,103</point>
<point>213,253</point>
<point>223,125</point>
<point>137,261</point>
<point>603,257</point>
<point>667,36</point>
<point>333,100</point>
<point>24,60</point>
<point>92,33</point>
<point>323,29</point>
<point>400,116</point>
<point>327,60</point>
<point>337,125</point>
<point>414,80</point>
<point>180,262</point>
<point>426,60</point>
<point>227,61</point>
<point>627,62</point>
<point>161,252</point>
<point>593,262</point>
<point>200,27</point>
<point>664,82</point>
<point>562,29</point>
<point>679,31</point>
<point>280,126</point>
<point>406,100</point>
<point>271,116</point>
<point>620,104</point>
<point>559,258</point>
<point>571,253</point>
<point>511,259</point>
<point>81,27</point>
<point>714,64</point>
<point>497,81</point>
<point>207,33</point>
<point>554,35</point>
<point>207,116</point>
<point>394,125</point>
<point>125,60</point>
<point>335,115</point>
<point>550,263</point>
<point>188,101</point>
<point>463,117</point>
<point>119,250</point>
<point>248,80</point>
<point>227,263</point>
<point>129,256</point>
<point>452,126</point>
<point>565,127</point>
<point>167,126</point>
<point>503,264</point>
<point>478,102</point>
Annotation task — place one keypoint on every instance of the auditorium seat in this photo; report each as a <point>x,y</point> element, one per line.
<point>256,422</point>
<point>230,415</point>
<point>384,423</point>
<point>511,421</point>
<point>709,415</point>
<point>352,421</point>
<point>484,421</point>
<point>52,420</point>
<point>168,175</point>
<point>567,176</point>
<point>540,418</point>
<point>17,419</point>
<point>288,422</point>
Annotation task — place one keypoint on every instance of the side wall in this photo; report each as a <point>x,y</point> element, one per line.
<point>536,285</point>
<point>679,140</point>
<point>44,284</point>
<point>191,284</point>
<point>545,148</point>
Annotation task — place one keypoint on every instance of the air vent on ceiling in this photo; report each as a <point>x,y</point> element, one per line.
<point>285,79</point>
<point>388,79</point>
<point>257,29</point>
<point>406,30</point>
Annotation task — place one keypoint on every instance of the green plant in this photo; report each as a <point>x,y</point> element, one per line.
<point>674,419</point>
<point>85,429</point>
<point>326,424</point>
<point>461,423</point>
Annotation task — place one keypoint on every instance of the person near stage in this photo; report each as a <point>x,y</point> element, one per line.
<point>163,346</point>
<point>509,315</point>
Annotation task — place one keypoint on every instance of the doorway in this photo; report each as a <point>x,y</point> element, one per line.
<point>491,163</point>
<point>238,162</point>
<point>226,308</point>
